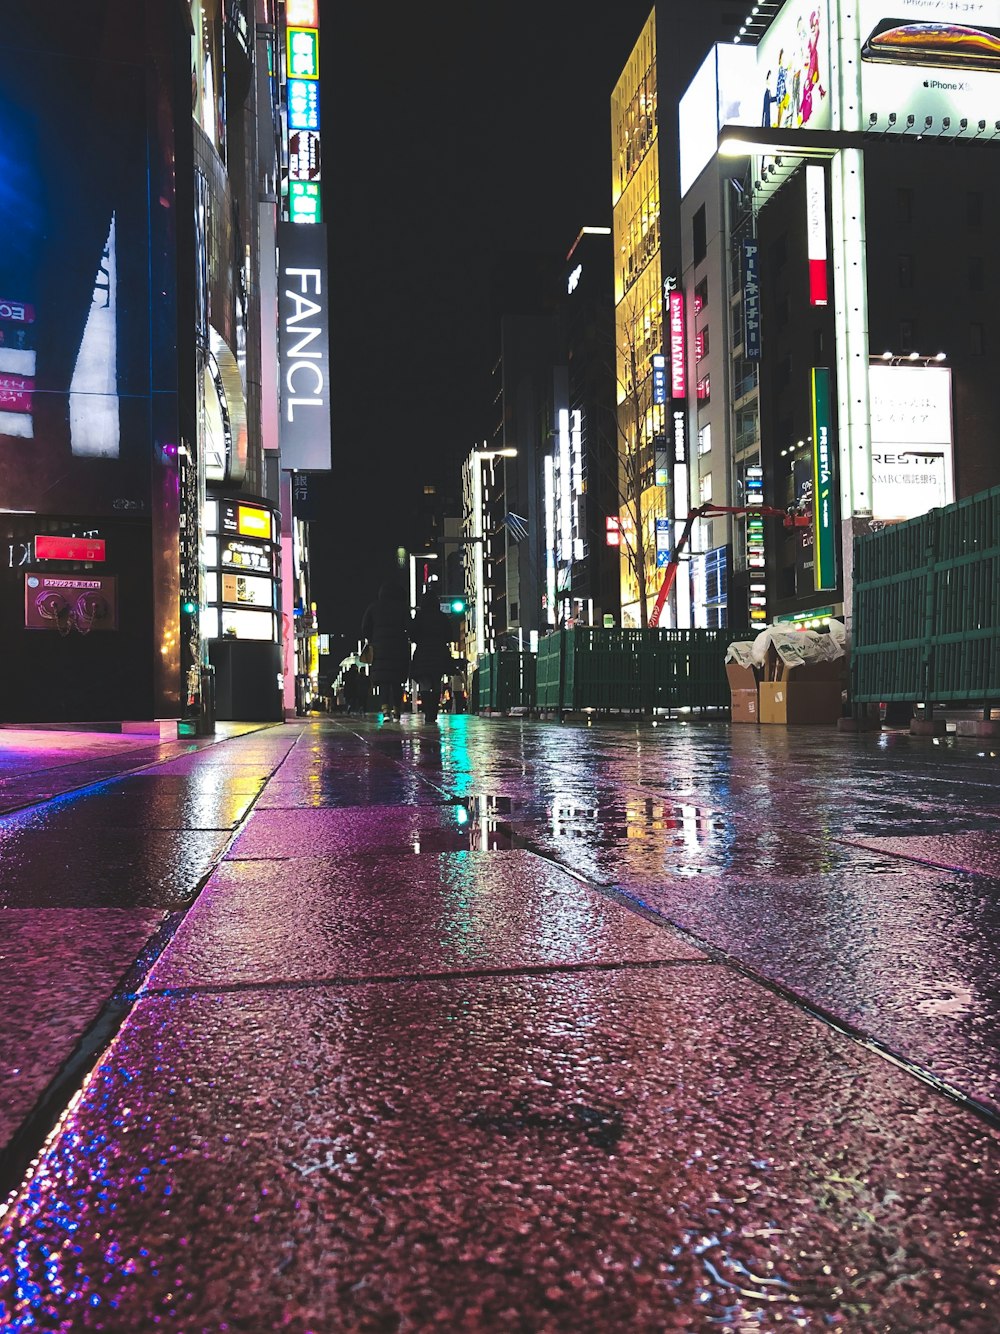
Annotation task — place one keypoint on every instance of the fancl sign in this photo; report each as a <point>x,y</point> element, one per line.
<point>304,347</point>
<point>824,517</point>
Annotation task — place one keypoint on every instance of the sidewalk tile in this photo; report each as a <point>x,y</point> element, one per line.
<point>592,1152</point>
<point>383,916</point>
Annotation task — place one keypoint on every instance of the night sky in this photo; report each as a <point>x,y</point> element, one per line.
<point>452,132</point>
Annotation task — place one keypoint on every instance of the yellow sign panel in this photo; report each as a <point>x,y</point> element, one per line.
<point>252,522</point>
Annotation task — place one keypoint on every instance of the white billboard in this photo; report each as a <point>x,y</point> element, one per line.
<point>912,453</point>
<point>931,61</point>
<point>793,69</point>
<point>721,93</point>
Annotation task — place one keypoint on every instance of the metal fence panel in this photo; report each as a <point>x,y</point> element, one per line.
<point>927,607</point>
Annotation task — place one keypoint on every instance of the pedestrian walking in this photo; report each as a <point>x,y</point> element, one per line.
<point>387,626</point>
<point>432,635</point>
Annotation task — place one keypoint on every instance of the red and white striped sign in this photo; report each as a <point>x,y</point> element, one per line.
<point>816,210</point>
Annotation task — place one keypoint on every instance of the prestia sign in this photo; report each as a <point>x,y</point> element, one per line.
<point>304,347</point>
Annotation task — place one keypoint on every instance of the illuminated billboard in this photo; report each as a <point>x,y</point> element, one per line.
<point>793,68</point>
<point>824,483</point>
<point>721,93</point>
<point>932,61</point>
<point>304,347</point>
<point>816,238</point>
<point>912,453</point>
<point>678,348</point>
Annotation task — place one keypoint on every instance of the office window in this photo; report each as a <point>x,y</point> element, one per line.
<point>704,389</point>
<point>699,235</point>
<point>701,296</point>
<point>904,270</point>
<point>705,488</point>
<point>701,344</point>
<point>705,439</point>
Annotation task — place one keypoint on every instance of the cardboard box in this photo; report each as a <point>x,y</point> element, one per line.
<point>744,706</point>
<point>743,692</point>
<point>825,669</point>
<point>801,700</point>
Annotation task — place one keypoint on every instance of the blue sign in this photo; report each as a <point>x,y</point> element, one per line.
<point>751,301</point>
<point>303,104</point>
<point>663,527</point>
<point>659,379</point>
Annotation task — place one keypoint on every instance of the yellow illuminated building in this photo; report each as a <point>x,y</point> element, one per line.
<point>639,311</point>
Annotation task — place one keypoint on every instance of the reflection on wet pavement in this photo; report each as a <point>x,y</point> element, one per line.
<point>500,1025</point>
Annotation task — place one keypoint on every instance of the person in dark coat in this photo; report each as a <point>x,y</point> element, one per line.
<point>387,626</point>
<point>432,635</point>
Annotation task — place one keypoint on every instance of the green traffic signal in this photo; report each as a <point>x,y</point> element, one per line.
<point>458,605</point>
<point>189,608</point>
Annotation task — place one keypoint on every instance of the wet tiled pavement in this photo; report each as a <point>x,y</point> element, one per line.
<point>503,1025</point>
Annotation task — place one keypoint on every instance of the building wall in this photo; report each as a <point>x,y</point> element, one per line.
<point>637,239</point>
<point>93,412</point>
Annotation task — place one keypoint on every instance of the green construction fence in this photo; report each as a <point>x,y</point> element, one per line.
<point>612,670</point>
<point>506,681</point>
<point>926,617</point>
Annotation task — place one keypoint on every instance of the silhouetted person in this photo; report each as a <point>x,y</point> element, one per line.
<point>353,689</point>
<point>432,633</point>
<point>386,625</point>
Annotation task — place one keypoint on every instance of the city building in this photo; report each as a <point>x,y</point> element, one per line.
<point>144,430</point>
<point>581,477</point>
<point>651,356</point>
<point>866,147</point>
<point>98,380</point>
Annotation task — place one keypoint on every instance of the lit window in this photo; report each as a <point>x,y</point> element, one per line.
<point>704,389</point>
<point>705,488</point>
<point>705,439</point>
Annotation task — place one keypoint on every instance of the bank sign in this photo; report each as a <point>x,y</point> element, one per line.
<point>912,454</point>
<point>304,347</point>
<point>824,483</point>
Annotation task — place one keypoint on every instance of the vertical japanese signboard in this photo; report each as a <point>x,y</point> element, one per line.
<point>751,301</point>
<point>659,378</point>
<point>678,351</point>
<point>824,481</point>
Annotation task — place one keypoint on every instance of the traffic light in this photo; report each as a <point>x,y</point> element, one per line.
<point>453,606</point>
<point>189,608</point>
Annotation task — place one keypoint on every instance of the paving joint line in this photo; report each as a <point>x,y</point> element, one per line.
<point>410,978</point>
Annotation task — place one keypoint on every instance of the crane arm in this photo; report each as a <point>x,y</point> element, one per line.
<point>708,511</point>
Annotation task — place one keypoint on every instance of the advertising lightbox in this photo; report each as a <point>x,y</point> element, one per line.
<point>678,347</point>
<point>824,483</point>
<point>928,61</point>
<point>912,450</point>
<point>721,93</point>
<point>793,68</point>
<point>304,347</point>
